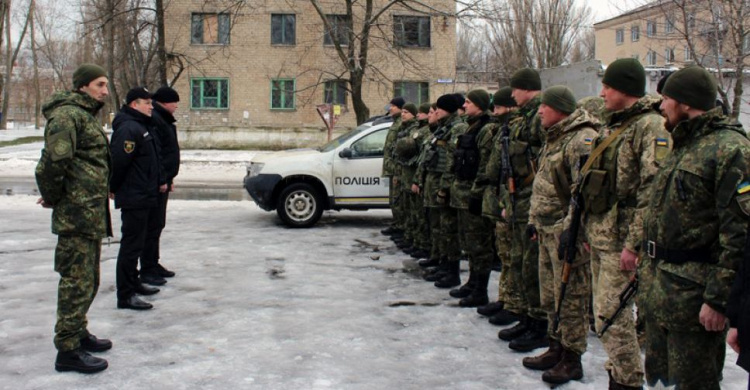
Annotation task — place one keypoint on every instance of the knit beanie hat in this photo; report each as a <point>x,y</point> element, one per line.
<point>424,108</point>
<point>693,86</point>
<point>398,101</point>
<point>87,73</point>
<point>627,76</point>
<point>480,98</point>
<point>166,95</point>
<point>459,99</point>
<point>448,103</point>
<point>527,79</point>
<point>504,97</point>
<point>560,98</point>
<point>411,107</point>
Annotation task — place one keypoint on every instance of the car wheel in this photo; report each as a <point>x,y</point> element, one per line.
<point>299,205</point>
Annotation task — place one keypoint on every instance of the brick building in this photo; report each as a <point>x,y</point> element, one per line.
<point>268,65</point>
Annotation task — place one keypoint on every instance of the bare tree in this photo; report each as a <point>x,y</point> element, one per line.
<point>10,60</point>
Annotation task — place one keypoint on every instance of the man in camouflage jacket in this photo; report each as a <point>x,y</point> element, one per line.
<point>72,176</point>
<point>694,234</point>
<point>390,167</point>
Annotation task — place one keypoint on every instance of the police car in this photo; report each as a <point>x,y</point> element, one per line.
<point>345,173</point>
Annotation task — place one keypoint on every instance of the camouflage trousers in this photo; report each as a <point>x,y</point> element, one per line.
<point>395,200</point>
<point>434,215</point>
<point>448,236</point>
<point>524,272</point>
<point>77,262</point>
<point>416,219</point>
<point>475,239</point>
<point>620,340</point>
<point>683,357</point>
<point>573,328</point>
<point>502,248</point>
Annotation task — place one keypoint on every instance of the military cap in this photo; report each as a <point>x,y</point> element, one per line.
<point>448,103</point>
<point>560,98</point>
<point>411,107</point>
<point>137,93</point>
<point>398,101</point>
<point>693,86</point>
<point>527,79</point>
<point>424,108</point>
<point>504,97</point>
<point>627,76</point>
<point>87,73</point>
<point>480,98</point>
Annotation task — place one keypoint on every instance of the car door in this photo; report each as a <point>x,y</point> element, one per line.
<point>358,180</point>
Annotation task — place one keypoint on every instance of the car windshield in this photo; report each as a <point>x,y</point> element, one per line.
<point>335,143</point>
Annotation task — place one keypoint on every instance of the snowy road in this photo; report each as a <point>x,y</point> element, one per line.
<point>259,306</point>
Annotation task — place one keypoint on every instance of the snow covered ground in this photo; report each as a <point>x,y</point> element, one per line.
<point>256,305</point>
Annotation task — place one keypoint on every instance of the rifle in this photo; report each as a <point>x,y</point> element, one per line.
<point>625,296</point>
<point>507,169</point>
<point>570,246</point>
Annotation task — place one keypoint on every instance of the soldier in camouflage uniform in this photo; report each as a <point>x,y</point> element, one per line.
<point>72,176</point>
<point>471,150</point>
<point>616,188</point>
<point>389,167</point>
<point>694,234</point>
<point>437,192</point>
<point>569,132</point>
<point>488,178</point>
<point>594,105</point>
<point>403,150</point>
<point>526,140</point>
<point>411,145</point>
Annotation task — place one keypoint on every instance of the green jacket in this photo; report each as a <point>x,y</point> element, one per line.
<point>389,166</point>
<point>692,210</point>
<point>73,172</point>
<point>462,190</point>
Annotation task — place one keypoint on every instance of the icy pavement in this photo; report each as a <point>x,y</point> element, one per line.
<point>258,306</point>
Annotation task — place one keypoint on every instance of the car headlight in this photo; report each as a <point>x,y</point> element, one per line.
<point>254,169</point>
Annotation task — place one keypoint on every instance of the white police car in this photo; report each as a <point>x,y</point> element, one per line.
<point>345,173</point>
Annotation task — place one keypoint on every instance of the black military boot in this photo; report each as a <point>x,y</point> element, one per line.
<point>617,386</point>
<point>420,253</point>
<point>431,262</point>
<point>92,343</point>
<point>408,250</point>
<point>465,290</point>
<point>547,360</point>
<point>503,317</point>
<point>513,332</point>
<point>567,369</point>
<point>478,296</point>
<point>452,277</point>
<point>491,309</point>
<point>80,361</point>
<point>390,230</point>
<point>404,244</point>
<point>534,337</point>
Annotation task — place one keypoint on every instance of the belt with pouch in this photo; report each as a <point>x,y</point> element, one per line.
<point>676,256</point>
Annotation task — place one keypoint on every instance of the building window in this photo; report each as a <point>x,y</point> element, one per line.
<point>746,43</point>
<point>411,31</point>
<point>209,93</point>
<point>335,92</point>
<point>635,33</point>
<point>283,29</point>
<point>339,30</point>
<point>282,94</point>
<point>669,25</point>
<point>619,36</point>
<point>209,29</point>
<point>651,28</point>
<point>691,20</point>
<point>415,92</point>
<point>668,55</point>
<point>688,55</point>
<point>651,57</point>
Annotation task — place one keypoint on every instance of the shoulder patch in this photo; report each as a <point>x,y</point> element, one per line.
<point>743,188</point>
<point>662,142</point>
<point>129,146</point>
<point>587,141</point>
<point>62,147</point>
<point>743,201</point>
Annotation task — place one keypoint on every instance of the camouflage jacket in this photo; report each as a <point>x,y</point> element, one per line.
<point>74,169</point>
<point>428,180</point>
<point>452,126</point>
<point>412,132</point>
<point>638,150</point>
<point>389,165</point>
<point>559,161</point>
<point>461,190</point>
<point>493,198</point>
<point>526,141</point>
<point>693,206</point>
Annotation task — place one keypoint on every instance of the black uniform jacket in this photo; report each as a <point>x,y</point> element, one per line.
<point>136,168</point>
<point>738,307</point>
<point>166,138</point>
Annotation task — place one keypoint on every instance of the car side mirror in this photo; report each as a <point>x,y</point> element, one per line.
<point>345,153</point>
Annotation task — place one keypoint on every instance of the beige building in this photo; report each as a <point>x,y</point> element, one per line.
<point>267,66</point>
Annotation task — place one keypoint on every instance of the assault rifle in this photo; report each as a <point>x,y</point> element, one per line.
<point>625,296</point>
<point>507,169</point>
<point>570,245</point>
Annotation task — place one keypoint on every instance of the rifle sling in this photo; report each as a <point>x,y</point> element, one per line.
<point>607,141</point>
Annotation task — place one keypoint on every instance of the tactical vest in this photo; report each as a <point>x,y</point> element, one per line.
<point>599,187</point>
<point>523,155</point>
<point>436,158</point>
<point>561,177</point>
<point>466,156</point>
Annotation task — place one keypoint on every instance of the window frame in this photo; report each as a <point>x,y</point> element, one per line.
<point>688,55</point>
<point>400,36</point>
<point>635,33</point>
<point>340,87</point>
<point>620,36</point>
<point>222,23</point>
<point>651,58</point>
<point>669,24</point>
<point>282,25</point>
<point>669,56</point>
<point>202,97</point>
<point>651,28</point>
<point>423,88</point>
<point>336,21</point>
<point>283,95</point>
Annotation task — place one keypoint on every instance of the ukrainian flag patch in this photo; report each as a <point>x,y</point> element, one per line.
<point>587,141</point>
<point>662,142</point>
<point>743,187</point>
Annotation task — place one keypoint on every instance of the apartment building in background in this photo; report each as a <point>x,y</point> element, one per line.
<point>270,64</point>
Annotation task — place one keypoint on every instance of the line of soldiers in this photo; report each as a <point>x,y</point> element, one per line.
<point>583,203</point>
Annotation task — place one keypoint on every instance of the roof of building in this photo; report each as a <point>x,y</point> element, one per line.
<point>650,5</point>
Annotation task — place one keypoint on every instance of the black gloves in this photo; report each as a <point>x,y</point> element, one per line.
<point>531,231</point>
<point>475,206</point>
<point>561,247</point>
